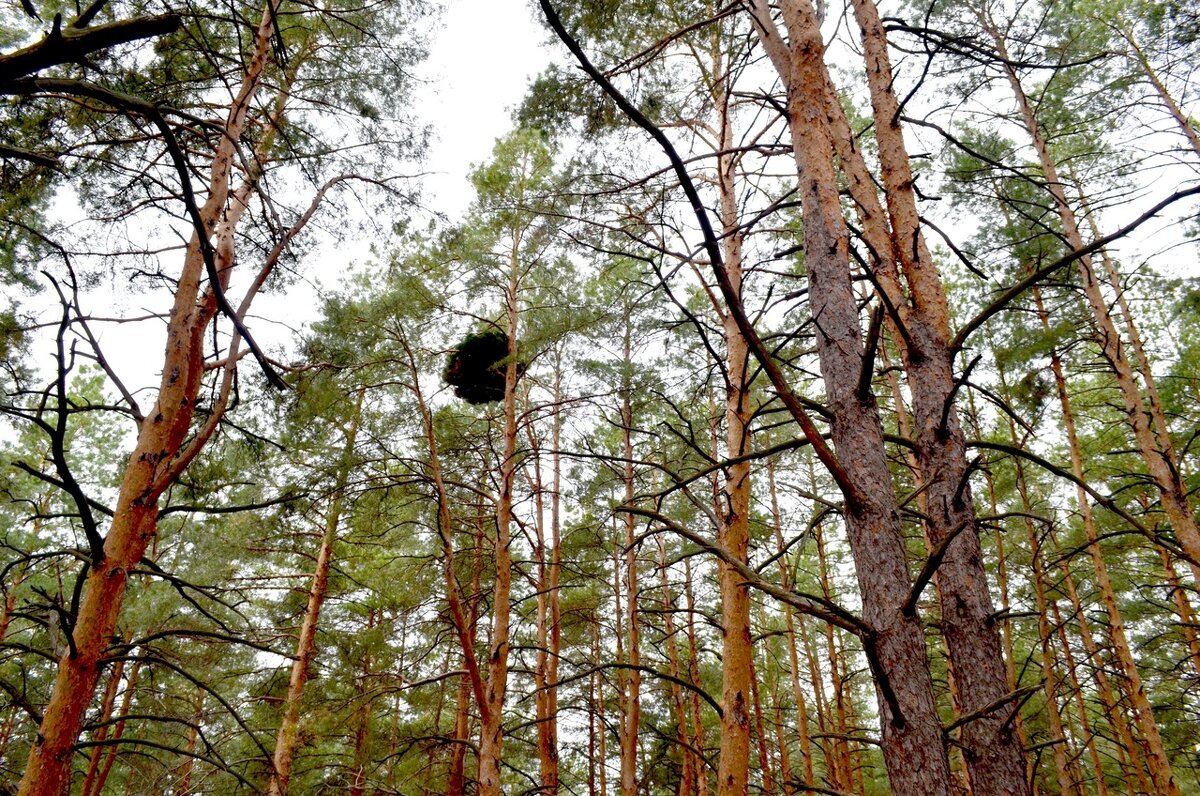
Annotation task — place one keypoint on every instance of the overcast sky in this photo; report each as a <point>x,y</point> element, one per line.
<point>481,60</point>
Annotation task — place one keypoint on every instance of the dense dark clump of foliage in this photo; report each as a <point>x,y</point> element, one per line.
<point>475,368</point>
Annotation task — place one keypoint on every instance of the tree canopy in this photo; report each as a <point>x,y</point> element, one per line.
<point>803,401</point>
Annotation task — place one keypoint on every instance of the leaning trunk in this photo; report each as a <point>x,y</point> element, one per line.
<point>288,738</point>
<point>154,464</point>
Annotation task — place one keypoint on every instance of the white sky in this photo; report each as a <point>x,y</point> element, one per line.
<point>481,61</point>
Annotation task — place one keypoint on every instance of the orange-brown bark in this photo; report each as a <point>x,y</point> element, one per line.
<point>106,708</point>
<point>184,787</point>
<point>733,532</point>
<point>689,765</point>
<point>287,740</point>
<point>992,751</point>
<point>491,731</point>
<point>158,457</point>
<point>632,679</point>
<point>118,731</point>
<point>785,578</point>
<point>1158,764</point>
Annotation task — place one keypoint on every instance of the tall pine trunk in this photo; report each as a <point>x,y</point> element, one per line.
<point>287,740</point>
<point>491,733</point>
<point>733,532</point>
<point>1157,762</point>
<point>158,457</point>
<point>912,739</point>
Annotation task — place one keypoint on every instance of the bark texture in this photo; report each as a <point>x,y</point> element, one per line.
<point>914,747</point>
<point>158,457</point>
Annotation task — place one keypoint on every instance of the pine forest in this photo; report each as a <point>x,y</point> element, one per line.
<point>798,399</point>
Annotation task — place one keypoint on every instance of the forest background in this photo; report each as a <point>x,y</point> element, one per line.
<point>835,433</point>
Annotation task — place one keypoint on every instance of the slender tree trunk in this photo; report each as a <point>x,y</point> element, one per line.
<point>362,723</point>
<point>547,746</point>
<point>599,707</point>
<point>694,678</point>
<point>1109,700</point>
<point>118,731</point>
<point>10,593</point>
<point>785,579</point>
<point>1157,454</point>
<point>631,714</point>
<point>824,717</point>
<point>1182,120</point>
<point>733,533</point>
<point>456,776</point>
<point>287,741</point>
<point>189,761</point>
<point>106,708</point>
<point>1002,583</point>
<point>1187,619</point>
<point>1058,737</point>
<point>765,766</point>
<point>1158,764</point>
<point>464,618</point>
<point>1085,723</point>
<point>781,742</point>
<point>6,730</point>
<point>688,763</point>
<point>840,770</point>
<point>550,739</point>
<point>492,724</point>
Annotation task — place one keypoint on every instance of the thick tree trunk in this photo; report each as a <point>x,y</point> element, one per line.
<point>913,743</point>
<point>287,740</point>
<point>992,752</point>
<point>152,466</point>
